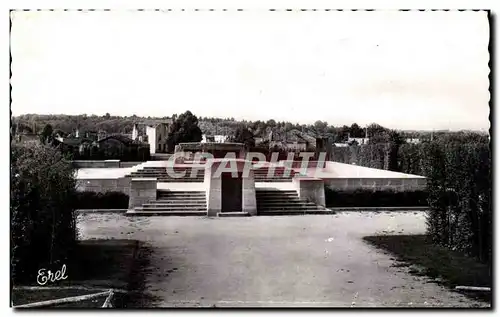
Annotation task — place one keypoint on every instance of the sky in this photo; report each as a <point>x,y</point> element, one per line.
<point>403,70</point>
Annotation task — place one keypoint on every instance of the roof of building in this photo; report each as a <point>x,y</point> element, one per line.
<point>118,137</point>
<point>74,141</point>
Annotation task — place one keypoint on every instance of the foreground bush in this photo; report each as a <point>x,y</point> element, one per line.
<point>370,198</point>
<point>109,200</point>
<point>43,223</point>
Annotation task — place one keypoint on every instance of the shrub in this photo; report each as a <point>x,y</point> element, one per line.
<point>108,200</point>
<point>43,222</point>
<point>460,197</point>
<point>370,198</point>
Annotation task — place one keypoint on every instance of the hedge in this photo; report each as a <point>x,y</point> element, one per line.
<point>370,198</point>
<point>108,200</point>
<point>458,169</point>
<point>43,221</point>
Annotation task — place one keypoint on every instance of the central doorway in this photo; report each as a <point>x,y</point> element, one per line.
<point>231,192</point>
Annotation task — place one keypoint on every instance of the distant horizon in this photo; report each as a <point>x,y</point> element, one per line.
<point>407,70</point>
<point>241,119</point>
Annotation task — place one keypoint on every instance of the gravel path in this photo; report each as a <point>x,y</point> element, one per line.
<point>282,261</point>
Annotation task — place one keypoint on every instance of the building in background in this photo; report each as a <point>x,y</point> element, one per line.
<point>359,141</point>
<point>413,140</point>
<point>157,137</point>
<point>154,133</point>
<point>214,138</point>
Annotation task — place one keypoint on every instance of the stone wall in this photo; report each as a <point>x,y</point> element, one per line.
<point>214,191</point>
<point>375,184</point>
<point>104,185</point>
<point>310,189</point>
<point>249,198</point>
<point>96,164</point>
<point>142,190</point>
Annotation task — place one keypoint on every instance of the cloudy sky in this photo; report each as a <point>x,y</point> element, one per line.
<point>404,70</point>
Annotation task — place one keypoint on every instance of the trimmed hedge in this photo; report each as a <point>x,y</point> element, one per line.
<point>108,200</point>
<point>369,198</point>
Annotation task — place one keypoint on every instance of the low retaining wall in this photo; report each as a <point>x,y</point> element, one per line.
<point>142,190</point>
<point>310,189</point>
<point>129,164</point>
<point>103,185</point>
<point>102,164</point>
<point>396,184</point>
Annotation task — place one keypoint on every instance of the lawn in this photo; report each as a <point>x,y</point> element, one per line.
<point>444,266</point>
<point>99,264</point>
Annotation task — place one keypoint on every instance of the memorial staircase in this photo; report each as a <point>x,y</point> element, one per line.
<point>275,202</point>
<point>279,174</point>
<point>174,203</point>
<point>162,175</point>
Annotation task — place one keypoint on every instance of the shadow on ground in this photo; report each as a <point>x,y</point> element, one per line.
<point>441,265</point>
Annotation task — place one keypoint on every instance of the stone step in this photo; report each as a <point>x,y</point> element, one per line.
<point>171,194</point>
<point>269,192</point>
<point>275,194</point>
<point>180,180</point>
<point>175,205</point>
<point>181,196</point>
<point>167,207</point>
<point>233,214</point>
<point>194,202</point>
<point>165,170</point>
<point>279,201</point>
<point>294,212</point>
<point>168,169</point>
<point>180,193</point>
<point>290,207</point>
<point>291,172</point>
<point>165,174</point>
<point>272,176</point>
<point>285,203</point>
<point>139,212</point>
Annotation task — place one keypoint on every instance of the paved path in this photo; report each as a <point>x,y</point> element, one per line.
<point>316,260</point>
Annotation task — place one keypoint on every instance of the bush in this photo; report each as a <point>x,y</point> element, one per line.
<point>134,153</point>
<point>43,222</point>
<point>370,155</point>
<point>370,198</point>
<point>108,200</point>
<point>460,197</point>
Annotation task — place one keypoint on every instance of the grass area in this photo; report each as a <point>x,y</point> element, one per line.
<point>447,267</point>
<point>98,264</point>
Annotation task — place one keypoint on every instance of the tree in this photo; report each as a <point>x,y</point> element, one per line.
<point>320,127</point>
<point>356,131</point>
<point>184,129</point>
<point>375,129</point>
<point>244,135</point>
<point>46,136</point>
<point>271,123</point>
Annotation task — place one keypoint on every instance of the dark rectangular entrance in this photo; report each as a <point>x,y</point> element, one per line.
<point>231,192</point>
